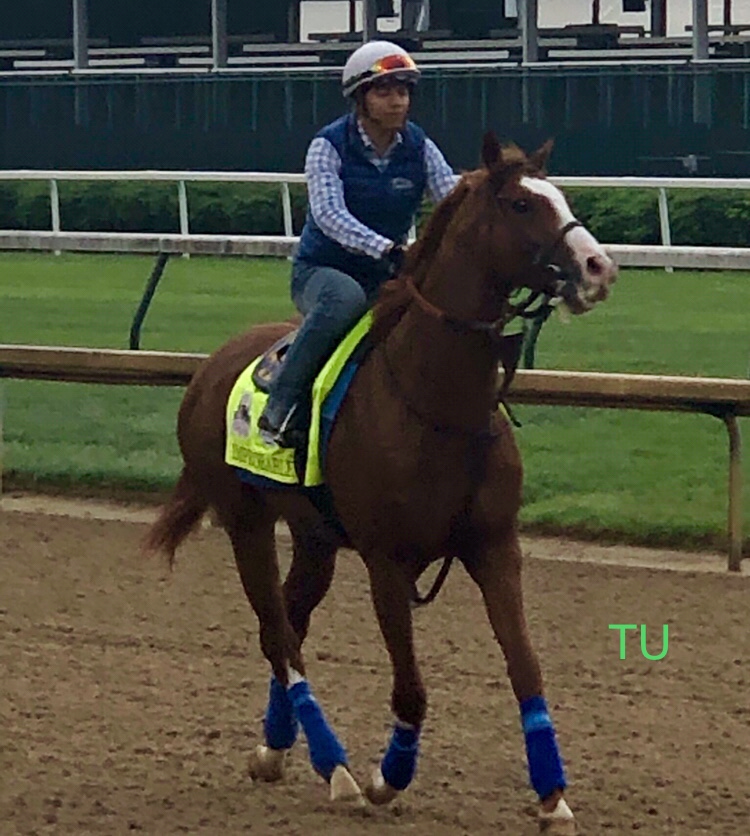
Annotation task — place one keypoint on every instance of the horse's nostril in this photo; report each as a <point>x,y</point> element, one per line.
<point>594,266</point>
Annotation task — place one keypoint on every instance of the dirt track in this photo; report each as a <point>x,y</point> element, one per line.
<point>130,699</point>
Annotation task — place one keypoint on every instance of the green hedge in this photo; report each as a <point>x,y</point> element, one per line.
<point>627,216</point>
<point>696,216</point>
<point>119,206</point>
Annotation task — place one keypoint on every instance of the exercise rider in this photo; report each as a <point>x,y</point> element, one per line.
<point>367,173</point>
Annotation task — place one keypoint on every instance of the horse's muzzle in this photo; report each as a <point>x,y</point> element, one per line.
<point>582,292</point>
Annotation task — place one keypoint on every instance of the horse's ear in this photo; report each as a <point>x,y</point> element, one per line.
<point>491,151</point>
<point>539,158</point>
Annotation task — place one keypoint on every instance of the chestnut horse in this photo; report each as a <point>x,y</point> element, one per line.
<point>421,465</point>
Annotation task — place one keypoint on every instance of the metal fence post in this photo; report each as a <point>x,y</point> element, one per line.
<point>2,444</point>
<point>54,202</point>
<point>735,493</point>
<point>184,217</point>
<point>666,232</point>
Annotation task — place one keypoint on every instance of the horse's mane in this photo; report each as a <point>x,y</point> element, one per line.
<point>394,296</point>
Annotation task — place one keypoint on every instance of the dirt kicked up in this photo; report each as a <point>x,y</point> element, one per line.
<point>130,699</point>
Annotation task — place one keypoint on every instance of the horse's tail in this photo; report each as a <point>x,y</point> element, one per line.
<point>179,517</point>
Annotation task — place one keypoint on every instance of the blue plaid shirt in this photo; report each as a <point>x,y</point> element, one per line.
<point>326,191</point>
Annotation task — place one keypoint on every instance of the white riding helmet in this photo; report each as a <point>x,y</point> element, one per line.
<point>377,59</point>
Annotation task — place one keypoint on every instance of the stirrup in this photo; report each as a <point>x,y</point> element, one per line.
<point>280,436</point>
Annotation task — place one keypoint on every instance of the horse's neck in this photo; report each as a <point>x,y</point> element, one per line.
<point>450,376</point>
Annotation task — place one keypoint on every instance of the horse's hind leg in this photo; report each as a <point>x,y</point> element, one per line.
<point>253,539</point>
<point>391,585</point>
<point>307,582</point>
<point>497,572</point>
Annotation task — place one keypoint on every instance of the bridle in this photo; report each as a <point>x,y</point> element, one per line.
<point>491,329</point>
<point>545,256</point>
<point>551,292</point>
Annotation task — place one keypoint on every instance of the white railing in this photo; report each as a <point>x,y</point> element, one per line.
<point>179,177</point>
<point>630,255</point>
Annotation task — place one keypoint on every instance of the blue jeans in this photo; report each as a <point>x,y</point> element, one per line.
<point>331,303</point>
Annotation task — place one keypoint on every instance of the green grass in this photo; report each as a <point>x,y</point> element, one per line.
<point>619,474</point>
<point>117,436</point>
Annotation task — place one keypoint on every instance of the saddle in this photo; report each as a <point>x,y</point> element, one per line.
<point>302,463</point>
<point>269,365</point>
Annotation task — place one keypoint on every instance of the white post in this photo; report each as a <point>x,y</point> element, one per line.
<point>666,232</point>
<point>54,202</point>
<point>184,217</point>
<point>286,205</point>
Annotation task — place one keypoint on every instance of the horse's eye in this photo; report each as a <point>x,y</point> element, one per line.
<point>521,206</point>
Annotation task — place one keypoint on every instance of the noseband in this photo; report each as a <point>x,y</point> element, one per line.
<point>545,256</point>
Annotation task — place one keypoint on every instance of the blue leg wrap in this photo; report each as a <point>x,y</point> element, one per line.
<point>400,760</point>
<point>326,753</point>
<point>280,724</point>
<point>545,765</point>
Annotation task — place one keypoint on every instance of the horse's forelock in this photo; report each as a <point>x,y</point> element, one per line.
<point>513,165</point>
<point>512,155</point>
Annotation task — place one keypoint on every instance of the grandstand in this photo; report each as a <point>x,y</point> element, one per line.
<point>42,36</point>
<point>240,84</point>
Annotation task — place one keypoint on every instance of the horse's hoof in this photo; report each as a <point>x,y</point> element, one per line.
<point>378,792</point>
<point>558,822</point>
<point>344,788</point>
<point>267,764</point>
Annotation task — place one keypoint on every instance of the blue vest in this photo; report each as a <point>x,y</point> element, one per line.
<point>386,201</point>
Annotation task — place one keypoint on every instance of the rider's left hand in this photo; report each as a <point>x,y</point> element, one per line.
<point>394,256</point>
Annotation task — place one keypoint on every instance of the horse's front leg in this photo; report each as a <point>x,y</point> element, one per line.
<point>391,584</point>
<point>497,572</point>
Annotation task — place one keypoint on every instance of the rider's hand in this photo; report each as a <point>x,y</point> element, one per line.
<point>394,257</point>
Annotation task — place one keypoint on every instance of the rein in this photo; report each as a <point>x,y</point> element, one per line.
<point>494,330</point>
<point>418,600</point>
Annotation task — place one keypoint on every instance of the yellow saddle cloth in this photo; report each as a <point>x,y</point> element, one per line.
<point>246,450</point>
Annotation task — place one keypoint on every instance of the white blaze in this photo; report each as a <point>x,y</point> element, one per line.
<point>581,242</point>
